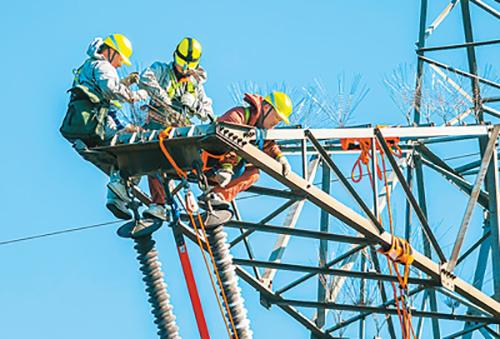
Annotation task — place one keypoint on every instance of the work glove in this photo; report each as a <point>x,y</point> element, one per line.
<point>130,79</point>
<point>131,128</point>
<point>141,95</point>
<point>285,165</point>
<point>224,176</point>
<point>188,100</point>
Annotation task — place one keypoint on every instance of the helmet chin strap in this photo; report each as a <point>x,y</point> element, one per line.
<point>111,57</point>
<point>263,117</point>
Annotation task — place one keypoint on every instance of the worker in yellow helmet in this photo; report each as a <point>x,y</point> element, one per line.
<point>261,112</point>
<point>179,85</point>
<point>177,96</point>
<point>96,97</point>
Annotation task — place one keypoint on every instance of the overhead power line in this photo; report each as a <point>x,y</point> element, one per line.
<point>69,230</point>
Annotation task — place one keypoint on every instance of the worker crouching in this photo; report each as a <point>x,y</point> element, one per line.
<point>232,175</point>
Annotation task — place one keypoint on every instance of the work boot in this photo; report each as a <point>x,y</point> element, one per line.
<point>117,186</point>
<point>117,206</point>
<point>216,200</point>
<point>156,211</point>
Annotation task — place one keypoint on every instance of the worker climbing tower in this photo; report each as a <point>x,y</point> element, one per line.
<point>385,266</point>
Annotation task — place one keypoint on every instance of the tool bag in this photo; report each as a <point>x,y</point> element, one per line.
<point>85,118</point>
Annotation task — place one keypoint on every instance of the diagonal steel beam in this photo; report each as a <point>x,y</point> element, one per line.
<point>298,232</point>
<point>490,149</point>
<point>329,264</point>
<point>290,222</point>
<point>472,76</point>
<point>487,8</point>
<point>418,211</point>
<point>270,217</point>
<point>339,281</point>
<point>347,185</point>
<point>471,249</point>
<point>248,247</point>
<point>439,19</point>
<point>435,163</point>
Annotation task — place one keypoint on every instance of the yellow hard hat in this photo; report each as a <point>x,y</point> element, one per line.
<point>282,104</point>
<point>187,54</point>
<point>122,45</point>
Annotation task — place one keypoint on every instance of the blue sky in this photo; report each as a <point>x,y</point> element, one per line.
<point>86,284</point>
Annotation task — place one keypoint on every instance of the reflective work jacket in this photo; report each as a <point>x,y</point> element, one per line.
<point>98,75</point>
<point>164,86</point>
<point>250,116</point>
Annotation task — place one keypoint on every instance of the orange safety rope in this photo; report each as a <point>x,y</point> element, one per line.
<point>400,251</point>
<point>191,207</point>
<point>205,156</point>
<point>365,145</point>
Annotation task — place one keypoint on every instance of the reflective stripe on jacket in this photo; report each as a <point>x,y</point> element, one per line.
<point>249,116</point>
<point>163,85</point>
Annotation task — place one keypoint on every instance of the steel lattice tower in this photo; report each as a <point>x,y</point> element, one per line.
<point>454,290</point>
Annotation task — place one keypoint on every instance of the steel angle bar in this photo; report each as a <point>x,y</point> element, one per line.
<point>420,64</point>
<point>274,192</point>
<point>419,173</point>
<point>471,58</point>
<point>490,149</point>
<point>345,214</point>
<point>492,184</point>
<point>335,261</point>
<point>382,310</point>
<point>343,180</point>
<point>410,197</point>
<point>487,8</point>
<point>368,132</point>
<point>480,269</point>
<point>458,71</point>
<point>491,111</point>
<point>298,232</point>
<point>467,44</point>
<point>267,294</point>
<point>439,19</point>
<point>248,247</point>
<point>270,217</point>
<point>363,315</point>
<point>323,246</point>
<point>471,249</point>
<point>491,99</point>
<point>332,271</point>
<point>456,179</point>
<point>460,90</point>
<point>348,262</point>
<point>465,331</point>
<point>290,222</point>
<point>462,301</point>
